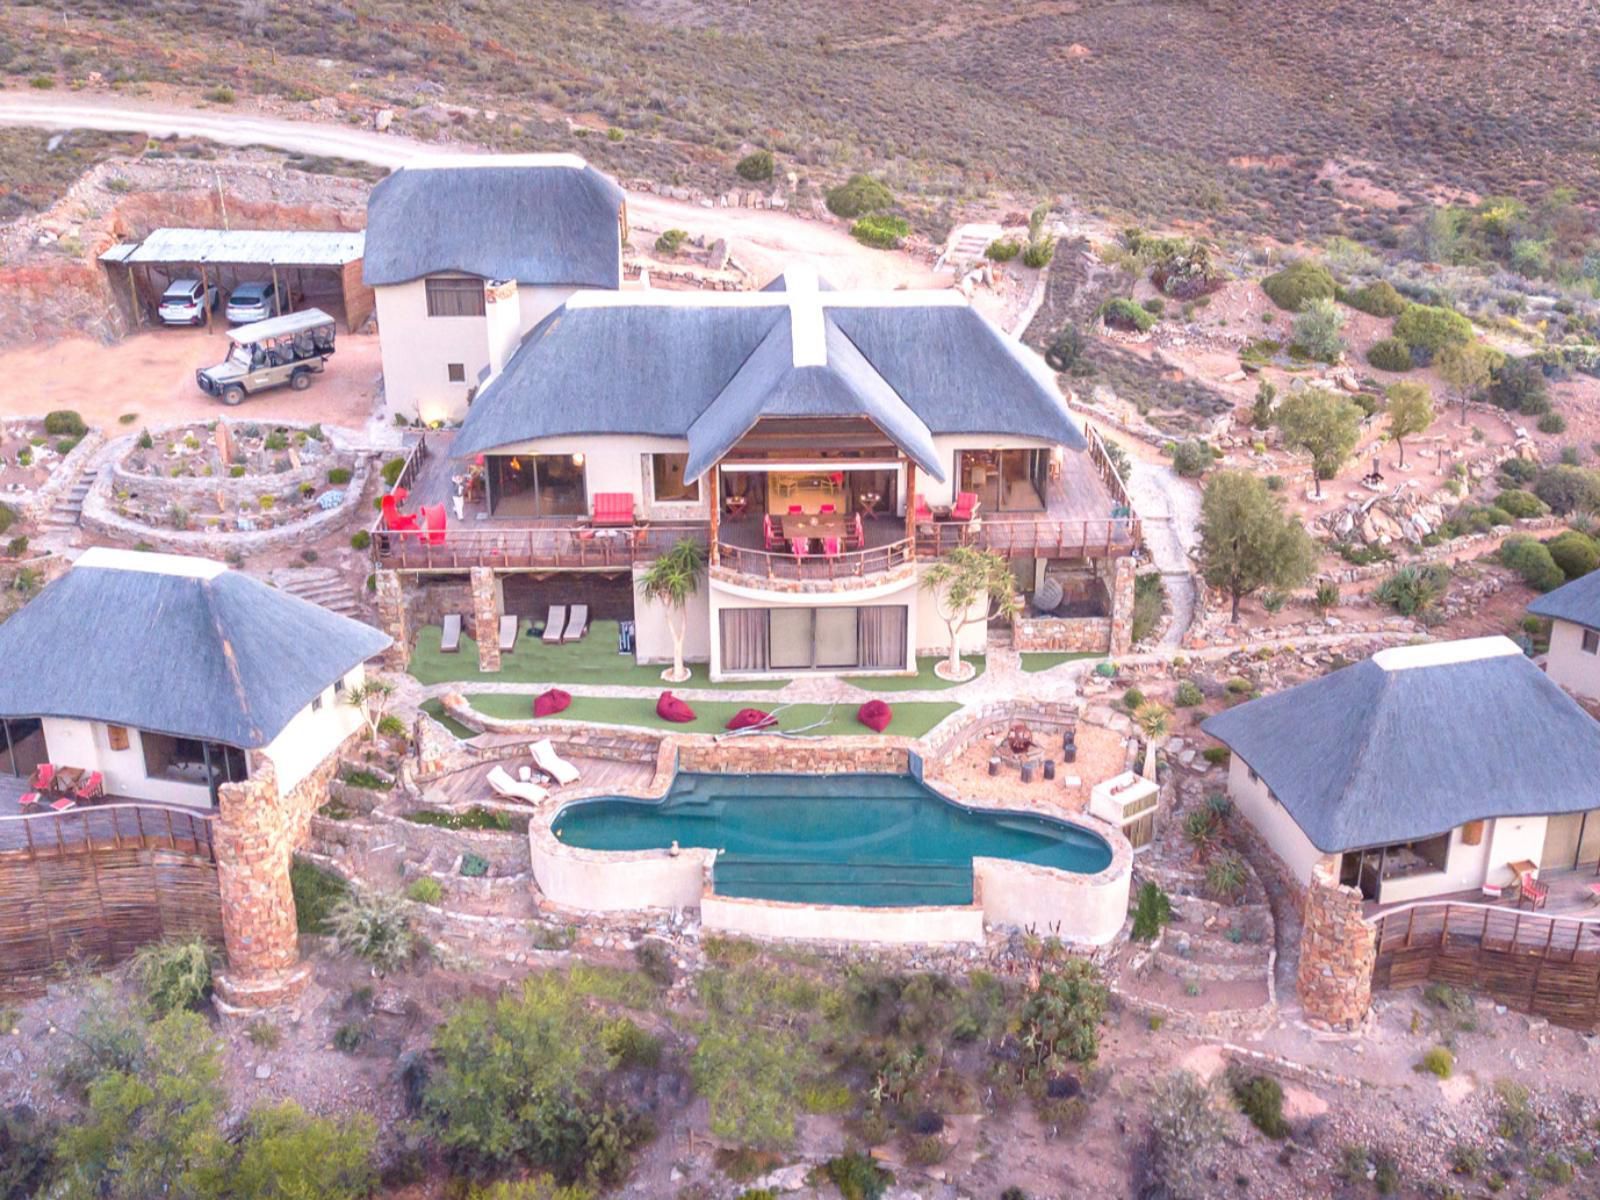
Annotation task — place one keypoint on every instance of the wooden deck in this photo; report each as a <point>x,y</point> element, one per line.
<point>471,785</point>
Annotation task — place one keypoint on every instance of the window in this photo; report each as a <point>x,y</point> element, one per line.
<point>187,760</point>
<point>316,702</point>
<point>537,485</point>
<point>456,372</point>
<point>871,637</point>
<point>1005,480</point>
<point>455,297</point>
<point>338,687</point>
<point>666,471</point>
<point>1591,641</point>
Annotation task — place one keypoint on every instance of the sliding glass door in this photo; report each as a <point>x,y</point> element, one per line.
<point>537,485</point>
<point>1005,480</point>
<point>871,637</point>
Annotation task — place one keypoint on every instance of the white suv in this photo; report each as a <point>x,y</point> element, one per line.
<point>181,303</point>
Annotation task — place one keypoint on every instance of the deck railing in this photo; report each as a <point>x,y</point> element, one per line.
<point>550,546</point>
<point>1106,468</point>
<point>415,457</point>
<point>1032,536</point>
<point>118,826</point>
<point>1447,923</point>
<point>849,564</point>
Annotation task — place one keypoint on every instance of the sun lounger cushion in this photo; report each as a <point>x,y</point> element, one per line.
<point>450,635</point>
<point>875,715</point>
<point>504,785</point>
<point>548,704</point>
<point>555,623</point>
<point>551,763</point>
<point>613,508</point>
<point>577,623</point>
<point>671,708</point>
<point>508,632</point>
<point>751,718</point>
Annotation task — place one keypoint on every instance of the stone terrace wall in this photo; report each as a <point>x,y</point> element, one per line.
<point>1338,951</point>
<point>802,756</point>
<point>35,505</point>
<point>1074,635</point>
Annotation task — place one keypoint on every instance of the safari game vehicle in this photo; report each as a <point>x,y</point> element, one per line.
<point>268,354</point>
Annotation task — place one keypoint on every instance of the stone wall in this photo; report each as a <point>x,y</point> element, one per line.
<point>1338,951</point>
<point>485,614</point>
<point>801,756</point>
<point>1122,605</point>
<point>35,505</point>
<point>394,618</point>
<point>1073,635</point>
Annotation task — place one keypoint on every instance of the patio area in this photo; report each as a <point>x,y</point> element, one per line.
<point>114,822</point>
<point>1572,893</point>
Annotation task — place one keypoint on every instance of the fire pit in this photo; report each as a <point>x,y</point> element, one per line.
<point>1018,746</point>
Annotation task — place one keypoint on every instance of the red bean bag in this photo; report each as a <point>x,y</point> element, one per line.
<point>548,704</point>
<point>670,708</point>
<point>751,718</point>
<point>875,715</point>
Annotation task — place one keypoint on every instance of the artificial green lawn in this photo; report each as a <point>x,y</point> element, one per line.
<point>1043,660</point>
<point>435,709</point>
<point>910,720</point>
<point>924,679</point>
<point>593,660</point>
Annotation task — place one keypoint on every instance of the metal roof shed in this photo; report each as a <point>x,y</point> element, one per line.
<point>317,266</point>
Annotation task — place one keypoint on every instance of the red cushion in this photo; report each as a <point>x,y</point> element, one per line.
<point>875,715</point>
<point>751,718</point>
<point>670,708</point>
<point>548,704</point>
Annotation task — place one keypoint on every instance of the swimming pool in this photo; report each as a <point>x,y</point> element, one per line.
<point>870,840</point>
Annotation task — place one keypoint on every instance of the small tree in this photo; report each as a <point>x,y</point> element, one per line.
<point>1467,367</point>
<point>671,580</point>
<point>962,580</point>
<point>1155,722</point>
<point>1317,329</point>
<point>1323,425</point>
<point>372,699</point>
<point>1247,541</point>
<point>1261,411</point>
<point>1410,411</point>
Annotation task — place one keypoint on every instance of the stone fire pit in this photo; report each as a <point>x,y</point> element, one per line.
<point>1018,745</point>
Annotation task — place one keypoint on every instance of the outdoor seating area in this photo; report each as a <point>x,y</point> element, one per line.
<point>1568,891</point>
<point>59,788</point>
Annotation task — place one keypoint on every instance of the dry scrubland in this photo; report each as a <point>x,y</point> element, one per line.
<point>1253,117</point>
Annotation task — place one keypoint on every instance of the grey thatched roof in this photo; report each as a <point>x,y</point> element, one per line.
<point>1578,602</point>
<point>1416,741</point>
<point>656,363</point>
<point>539,219</point>
<point>174,645</point>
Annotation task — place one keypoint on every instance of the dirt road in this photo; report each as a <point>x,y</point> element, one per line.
<point>764,239</point>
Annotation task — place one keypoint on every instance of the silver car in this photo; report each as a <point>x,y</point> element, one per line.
<point>185,302</point>
<point>254,302</point>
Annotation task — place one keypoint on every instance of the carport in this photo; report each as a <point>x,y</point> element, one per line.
<point>316,268</point>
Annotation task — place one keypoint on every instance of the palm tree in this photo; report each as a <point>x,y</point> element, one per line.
<point>1155,722</point>
<point>670,581</point>
<point>964,578</point>
<point>372,698</point>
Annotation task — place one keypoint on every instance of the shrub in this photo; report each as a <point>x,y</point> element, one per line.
<point>1039,253</point>
<point>1152,909</point>
<point>475,818</point>
<point>360,540</point>
<point>1391,354</point>
<point>374,926</point>
<point>1188,694</point>
<point>25,1154</point>
<point>655,959</point>
<point>8,516</point>
<point>236,472</point>
<point>858,196</point>
<point>1520,504</point>
<point>1552,422</point>
<point>474,866</point>
<point>145,441</point>
<point>1517,1119</point>
<point>1192,458</point>
<point>1327,596</point>
<point>348,1038</point>
<point>1299,282</point>
<point>174,974</point>
<point>391,470</point>
<point>1428,329</point>
<point>276,440</point>
<point>755,166</point>
<point>671,241</point>
<point>880,230</point>
<point>16,547</point>
<point>1377,299</point>
<point>1317,327</point>
<point>544,1187</point>
<point>1438,1061</point>
<point>63,422</point>
<point>1065,350</point>
<point>630,1045</point>
<point>66,445</point>
<point>1060,1020</point>
<point>1003,250</point>
<point>221,94</point>
<point>426,890</point>
<point>1575,553</point>
<point>1260,1097</point>
<point>338,475</point>
<point>1568,489</point>
<point>1185,1131</point>
<point>1125,314</point>
<point>1132,699</point>
<point>1227,876</point>
<point>857,1176</point>
<point>1518,385</point>
<point>1531,559</point>
<point>1414,591</point>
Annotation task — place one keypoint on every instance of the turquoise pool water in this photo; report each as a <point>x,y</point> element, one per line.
<point>879,840</point>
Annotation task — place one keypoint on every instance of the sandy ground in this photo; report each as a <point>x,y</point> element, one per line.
<point>152,375</point>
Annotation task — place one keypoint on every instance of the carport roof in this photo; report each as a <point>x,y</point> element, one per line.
<point>264,247</point>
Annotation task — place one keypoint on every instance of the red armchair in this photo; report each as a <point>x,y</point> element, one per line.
<point>1532,892</point>
<point>394,519</point>
<point>92,788</point>
<point>966,506</point>
<point>613,508</point>
<point>769,535</point>
<point>434,519</point>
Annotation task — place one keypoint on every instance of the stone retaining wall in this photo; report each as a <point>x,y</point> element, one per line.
<point>35,505</point>
<point>1075,635</point>
<point>902,574</point>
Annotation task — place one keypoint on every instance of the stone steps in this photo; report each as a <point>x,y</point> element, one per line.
<point>321,586</point>
<point>66,511</point>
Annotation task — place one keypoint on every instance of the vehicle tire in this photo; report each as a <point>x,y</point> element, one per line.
<point>233,395</point>
<point>300,380</point>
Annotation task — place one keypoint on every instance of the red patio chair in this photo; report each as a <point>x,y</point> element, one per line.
<point>795,510</point>
<point>394,519</point>
<point>830,547</point>
<point>800,546</point>
<point>92,788</point>
<point>28,800</point>
<point>1532,892</point>
<point>43,775</point>
<point>613,508</point>
<point>62,803</point>
<point>966,506</point>
<point>856,535</point>
<point>924,513</point>
<point>769,535</point>
<point>827,508</point>
<point>434,519</point>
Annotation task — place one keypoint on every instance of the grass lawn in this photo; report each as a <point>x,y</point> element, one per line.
<point>435,709</point>
<point>593,660</point>
<point>1043,660</point>
<point>923,679</point>
<point>910,720</point>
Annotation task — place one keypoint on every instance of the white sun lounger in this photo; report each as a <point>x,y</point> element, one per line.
<point>551,763</point>
<point>450,636</point>
<point>555,624</point>
<point>516,789</point>
<point>577,623</point>
<point>508,633</point>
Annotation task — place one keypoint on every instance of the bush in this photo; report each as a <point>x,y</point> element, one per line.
<point>1003,250</point>
<point>755,166</point>
<point>66,446</point>
<point>373,926</point>
<point>1192,458</point>
<point>285,1152</point>
<point>221,94</point>
<point>1185,1131</point>
<point>338,476</point>
<point>1188,694</point>
<point>1227,877</point>
<point>1125,314</point>
<point>391,470</point>
<point>1518,385</point>
<point>671,241</point>
<point>1039,253</point>
<point>1428,329</point>
<point>1531,560</point>
<point>1327,596</point>
<point>1060,1021</point>
<point>1552,422</point>
<point>1414,591</point>
<point>630,1045</point>
<point>174,974</point>
<point>857,1176</point>
<point>1391,354</point>
<point>360,540</point>
<point>544,1187</point>
<point>858,196</point>
<point>1438,1061</point>
<point>1260,1097</point>
<point>8,516</point>
<point>16,547</point>
<point>1575,553</point>
<point>25,1155</point>
<point>64,423</point>
<point>881,231</point>
<point>1065,350</point>
<point>1299,282</point>
<point>1317,327</point>
<point>1377,299</point>
<point>474,866</point>
<point>1152,909</point>
<point>426,890</point>
<point>1568,489</point>
<point>1519,504</point>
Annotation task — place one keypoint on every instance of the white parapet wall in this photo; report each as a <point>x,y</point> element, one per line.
<point>909,926</point>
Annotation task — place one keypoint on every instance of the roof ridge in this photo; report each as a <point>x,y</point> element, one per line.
<point>1367,721</point>
<point>229,656</point>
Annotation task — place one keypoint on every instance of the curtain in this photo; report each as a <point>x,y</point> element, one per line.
<point>744,639</point>
<point>881,636</point>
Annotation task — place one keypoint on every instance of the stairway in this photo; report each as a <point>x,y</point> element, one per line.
<point>65,512</point>
<point>320,585</point>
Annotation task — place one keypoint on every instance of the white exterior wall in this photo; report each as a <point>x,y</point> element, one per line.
<point>726,595</point>
<point>312,735</point>
<point>622,464</point>
<point>1468,868</point>
<point>1272,820</point>
<point>931,636</point>
<point>652,636</point>
<point>1568,664</point>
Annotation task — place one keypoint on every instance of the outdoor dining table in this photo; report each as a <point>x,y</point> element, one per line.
<point>813,525</point>
<point>67,779</point>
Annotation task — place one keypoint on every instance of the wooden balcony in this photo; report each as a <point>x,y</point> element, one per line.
<point>538,546</point>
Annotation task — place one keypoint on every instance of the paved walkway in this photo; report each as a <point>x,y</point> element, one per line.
<point>1169,508</point>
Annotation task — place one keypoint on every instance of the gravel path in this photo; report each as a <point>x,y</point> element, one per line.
<point>1169,507</point>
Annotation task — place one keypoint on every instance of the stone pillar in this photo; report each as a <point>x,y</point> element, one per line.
<point>1121,605</point>
<point>393,618</point>
<point>486,617</point>
<point>254,838</point>
<point>1338,952</point>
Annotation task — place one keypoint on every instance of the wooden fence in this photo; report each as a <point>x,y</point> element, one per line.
<point>1533,962</point>
<point>96,884</point>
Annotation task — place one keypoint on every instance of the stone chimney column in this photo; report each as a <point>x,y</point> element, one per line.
<point>393,618</point>
<point>1338,952</point>
<point>486,617</point>
<point>1121,605</point>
